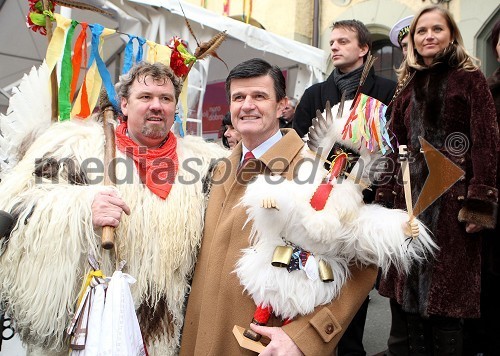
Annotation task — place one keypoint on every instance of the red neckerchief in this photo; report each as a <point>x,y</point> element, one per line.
<point>157,167</point>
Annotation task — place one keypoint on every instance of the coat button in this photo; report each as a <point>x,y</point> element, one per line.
<point>490,193</point>
<point>381,195</point>
<point>461,160</point>
<point>462,178</point>
<point>329,328</point>
<point>460,198</point>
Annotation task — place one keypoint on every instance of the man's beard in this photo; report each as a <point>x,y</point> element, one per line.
<point>154,132</point>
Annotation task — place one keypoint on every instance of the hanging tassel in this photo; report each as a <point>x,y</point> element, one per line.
<point>367,124</point>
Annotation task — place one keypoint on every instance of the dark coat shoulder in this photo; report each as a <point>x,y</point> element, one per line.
<point>316,96</point>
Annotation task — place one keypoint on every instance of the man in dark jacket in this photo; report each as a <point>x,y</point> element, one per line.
<point>350,44</point>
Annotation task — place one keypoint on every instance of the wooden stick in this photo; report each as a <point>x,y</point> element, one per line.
<point>403,158</point>
<point>366,69</point>
<point>108,232</point>
<point>53,76</point>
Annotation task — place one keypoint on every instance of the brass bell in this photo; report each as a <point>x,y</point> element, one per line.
<point>282,256</point>
<point>325,271</point>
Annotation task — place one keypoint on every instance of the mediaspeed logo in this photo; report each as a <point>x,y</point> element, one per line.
<point>443,173</point>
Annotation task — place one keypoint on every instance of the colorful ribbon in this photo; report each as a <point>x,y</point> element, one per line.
<point>59,49</point>
<point>66,75</point>
<point>367,124</point>
<point>158,53</point>
<point>86,283</point>
<point>129,52</point>
<point>80,53</point>
<point>97,31</point>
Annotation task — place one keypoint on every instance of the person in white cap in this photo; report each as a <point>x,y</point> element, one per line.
<point>399,33</point>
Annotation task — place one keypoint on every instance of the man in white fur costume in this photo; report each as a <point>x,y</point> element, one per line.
<point>60,209</point>
<point>307,232</point>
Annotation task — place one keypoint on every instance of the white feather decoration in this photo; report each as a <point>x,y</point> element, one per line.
<point>344,233</point>
<point>28,115</point>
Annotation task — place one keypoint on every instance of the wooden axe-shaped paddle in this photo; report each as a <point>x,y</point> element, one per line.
<point>108,118</point>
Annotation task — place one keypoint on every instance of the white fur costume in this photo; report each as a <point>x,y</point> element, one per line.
<point>45,259</point>
<point>345,232</point>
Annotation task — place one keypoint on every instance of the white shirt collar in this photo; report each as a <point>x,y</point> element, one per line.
<point>263,147</point>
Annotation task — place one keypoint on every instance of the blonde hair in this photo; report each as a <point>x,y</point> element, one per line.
<point>456,49</point>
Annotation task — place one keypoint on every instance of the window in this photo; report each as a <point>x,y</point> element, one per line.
<point>389,58</point>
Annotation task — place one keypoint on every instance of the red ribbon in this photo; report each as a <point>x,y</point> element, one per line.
<point>76,62</point>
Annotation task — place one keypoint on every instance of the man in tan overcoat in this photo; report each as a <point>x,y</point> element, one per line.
<point>256,92</point>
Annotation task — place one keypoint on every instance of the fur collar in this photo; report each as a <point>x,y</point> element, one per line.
<point>428,104</point>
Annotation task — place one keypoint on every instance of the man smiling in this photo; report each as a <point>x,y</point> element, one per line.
<point>256,93</point>
<point>152,108</point>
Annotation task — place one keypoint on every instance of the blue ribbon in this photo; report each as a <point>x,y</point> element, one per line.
<point>127,60</point>
<point>140,51</point>
<point>178,119</point>
<point>129,51</point>
<point>101,66</point>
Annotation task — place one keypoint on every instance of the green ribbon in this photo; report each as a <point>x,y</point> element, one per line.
<point>66,76</point>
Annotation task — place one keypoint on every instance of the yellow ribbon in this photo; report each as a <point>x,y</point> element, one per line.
<point>56,45</point>
<point>86,283</point>
<point>158,53</point>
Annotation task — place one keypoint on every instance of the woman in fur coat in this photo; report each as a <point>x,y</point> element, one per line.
<point>443,98</point>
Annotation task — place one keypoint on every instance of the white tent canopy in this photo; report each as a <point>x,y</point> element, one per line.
<point>244,40</point>
<point>158,21</point>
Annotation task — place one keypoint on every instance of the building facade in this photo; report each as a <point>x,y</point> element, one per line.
<point>309,21</point>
